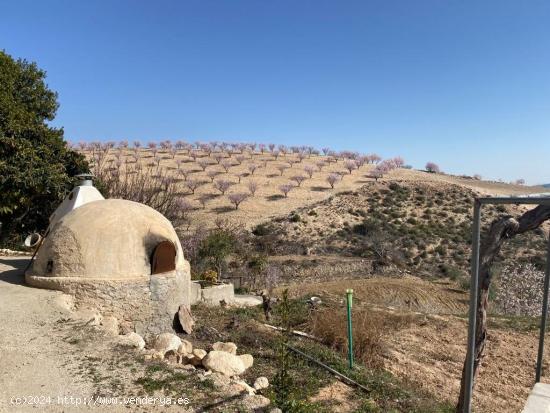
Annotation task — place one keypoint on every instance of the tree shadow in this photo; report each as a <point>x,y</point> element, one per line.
<point>274,197</point>
<point>17,274</point>
<point>319,188</point>
<point>223,209</point>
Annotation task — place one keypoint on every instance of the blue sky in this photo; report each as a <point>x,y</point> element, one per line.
<point>463,83</point>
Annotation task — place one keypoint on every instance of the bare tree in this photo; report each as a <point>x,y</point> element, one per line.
<point>252,187</point>
<point>309,169</point>
<point>237,198</point>
<point>298,179</point>
<point>212,174</point>
<point>203,163</point>
<point>285,189</point>
<point>252,168</point>
<point>222,185</point>
<point>432,167</point>
<point>282,168</point>
<point>398,162</point>
<point>184,207</point>
<point>350,165</point>
<point>193,184</point>
<point>332,179</point>
<point>184,173</point>
<point>226,164</point>
<point>377,174</point>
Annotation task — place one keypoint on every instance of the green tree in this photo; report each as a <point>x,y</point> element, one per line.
<point>36,166</point>
<point>216,247</point>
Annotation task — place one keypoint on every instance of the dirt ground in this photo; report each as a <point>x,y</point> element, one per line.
<point>432,356</point>
<point>48,356</point>
<point>34,363</point>
<point>430,350</point>
<point>45,353</point>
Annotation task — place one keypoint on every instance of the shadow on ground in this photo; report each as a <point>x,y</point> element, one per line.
<point>15,270</point>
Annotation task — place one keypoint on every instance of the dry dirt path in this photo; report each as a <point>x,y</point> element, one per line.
<point>33,363</point>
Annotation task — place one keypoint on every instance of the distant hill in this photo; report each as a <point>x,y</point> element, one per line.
<point>546,185</point>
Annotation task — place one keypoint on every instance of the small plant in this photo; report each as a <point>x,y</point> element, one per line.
<point>295,218</point>
<point>210,276</point>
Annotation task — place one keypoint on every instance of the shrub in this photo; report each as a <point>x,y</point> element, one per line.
<point>369,329</point>
<point>261,230</point>
<point>216,247</point>
<point>210,276</point>
<point>295,218</point>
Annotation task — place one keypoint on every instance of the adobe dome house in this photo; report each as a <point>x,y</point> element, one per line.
<point>121,257</point>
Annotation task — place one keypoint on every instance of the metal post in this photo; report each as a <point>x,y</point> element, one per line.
<point>544,316</point>
<point>474,284</point>
<point>349,299</point>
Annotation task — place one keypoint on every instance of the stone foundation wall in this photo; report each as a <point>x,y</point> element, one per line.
<point>148,303</point>
<point>212,295</point>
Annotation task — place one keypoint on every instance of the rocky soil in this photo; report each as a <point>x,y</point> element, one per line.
<point>58,358</point>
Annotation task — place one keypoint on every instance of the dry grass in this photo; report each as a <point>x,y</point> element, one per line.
<point>370,330</point>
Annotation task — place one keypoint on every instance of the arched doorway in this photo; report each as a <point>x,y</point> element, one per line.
<point>164,258</point>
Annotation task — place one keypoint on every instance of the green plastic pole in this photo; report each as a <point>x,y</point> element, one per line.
<point>349,296</point>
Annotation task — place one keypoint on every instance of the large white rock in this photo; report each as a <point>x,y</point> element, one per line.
<point>227,347</point>
<point>247,360</point>
<point>132,340</point>
<point>186,347</point>
<point>223,362</point>
<point>261,383</point>
<point>167,342</point>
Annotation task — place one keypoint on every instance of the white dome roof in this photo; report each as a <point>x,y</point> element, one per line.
<point>105,239</point>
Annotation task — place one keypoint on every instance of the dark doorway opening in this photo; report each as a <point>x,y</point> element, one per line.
<point>164,258</point>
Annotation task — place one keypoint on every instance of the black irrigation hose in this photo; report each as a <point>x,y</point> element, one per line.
<point>345,378</point>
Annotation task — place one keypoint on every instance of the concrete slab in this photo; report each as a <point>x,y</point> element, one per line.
<point>538,400</point>
<point>246,300</point>
<point>216,293</point>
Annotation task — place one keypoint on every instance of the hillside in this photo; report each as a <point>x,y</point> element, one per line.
<point>245,167</point>
<point>423,228</point>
